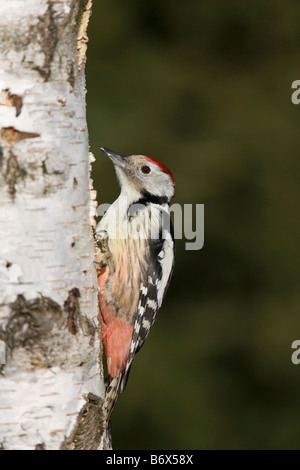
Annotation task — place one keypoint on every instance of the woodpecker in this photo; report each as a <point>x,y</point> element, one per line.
<point>134,264</point>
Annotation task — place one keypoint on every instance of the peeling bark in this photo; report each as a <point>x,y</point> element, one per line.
<point>51,384</point>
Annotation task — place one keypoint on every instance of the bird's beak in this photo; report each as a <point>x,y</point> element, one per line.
<point>117,159</point>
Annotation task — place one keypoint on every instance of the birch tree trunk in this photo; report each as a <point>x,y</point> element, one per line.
<point>51,380</point>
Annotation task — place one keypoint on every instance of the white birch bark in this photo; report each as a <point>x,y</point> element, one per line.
<point>51,385</point>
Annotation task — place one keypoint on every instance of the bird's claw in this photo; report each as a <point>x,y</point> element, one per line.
<point>106,258</point>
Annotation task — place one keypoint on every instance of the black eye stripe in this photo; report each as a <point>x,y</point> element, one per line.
<point>145,169</point>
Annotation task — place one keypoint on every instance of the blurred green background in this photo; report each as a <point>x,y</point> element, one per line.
<point>205,87</point>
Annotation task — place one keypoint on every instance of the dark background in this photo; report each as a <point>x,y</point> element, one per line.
<point>205,87</point>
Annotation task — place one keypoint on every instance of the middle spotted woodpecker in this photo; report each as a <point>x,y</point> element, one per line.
<point>134,264</point>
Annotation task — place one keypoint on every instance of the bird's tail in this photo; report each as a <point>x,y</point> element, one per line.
<point>113,387</point>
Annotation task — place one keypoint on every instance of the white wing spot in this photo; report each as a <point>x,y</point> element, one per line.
<point>141,310</point>
<point>152,304</point>
<point>144,290</point>
<point>146,324</point>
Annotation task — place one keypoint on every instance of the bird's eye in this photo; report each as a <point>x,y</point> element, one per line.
<point>146,169</point>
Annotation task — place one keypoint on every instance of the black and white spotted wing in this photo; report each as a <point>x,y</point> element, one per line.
<point>152,291</point>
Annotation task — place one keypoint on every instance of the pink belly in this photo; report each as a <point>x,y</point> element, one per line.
<point>116,333</point>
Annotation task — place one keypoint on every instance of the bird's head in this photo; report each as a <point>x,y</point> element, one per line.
<point>143,176</point>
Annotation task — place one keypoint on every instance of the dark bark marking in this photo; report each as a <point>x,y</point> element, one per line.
<point>13,172</point>
<point>71,75</point>
<point>40,446</point>
<point>89,427</point>
<point>32,325</point>
<point>11,135</point>
<point>71,307</point>
<point>9,99</point>
<point>48,32</point>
